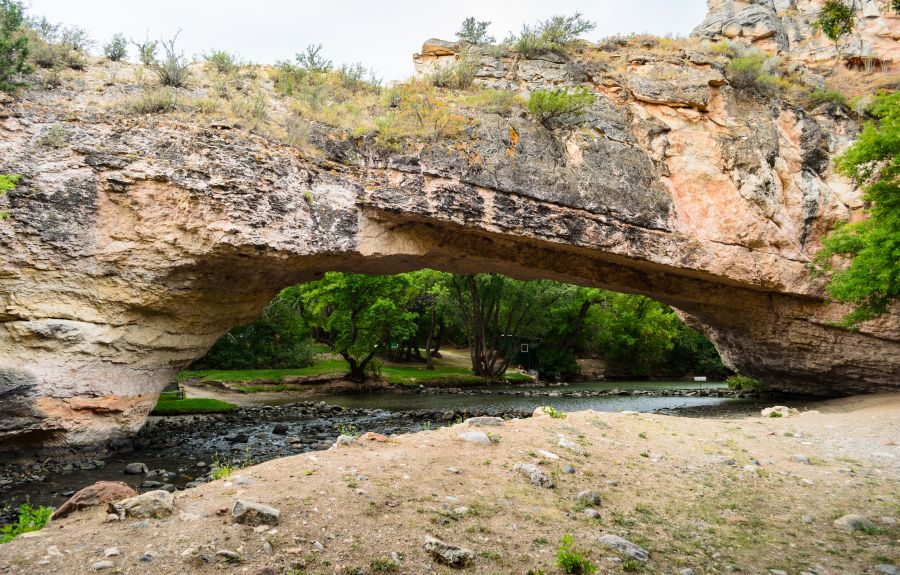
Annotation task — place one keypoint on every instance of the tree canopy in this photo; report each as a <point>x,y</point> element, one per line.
<point>871,281</point>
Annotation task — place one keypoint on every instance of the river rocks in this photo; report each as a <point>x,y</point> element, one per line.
<point>135,469</point>
<point>93,495</point>
<point>853,522</point>
<point>150,505</point>
<point>448,554</point>
<point>624,547</point>
<point>251,513</point>
<point>344,441</point>
<point>484,421</point>
<point>477,437</point>
<point>534,474</point>
<point>280,429</point>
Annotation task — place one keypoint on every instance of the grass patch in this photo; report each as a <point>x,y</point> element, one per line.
<point>409,376</point>
<point>190,406</point>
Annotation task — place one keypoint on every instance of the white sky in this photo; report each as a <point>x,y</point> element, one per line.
<point>380,34</point>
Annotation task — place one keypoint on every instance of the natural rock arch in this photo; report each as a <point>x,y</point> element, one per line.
<point>132,249</point>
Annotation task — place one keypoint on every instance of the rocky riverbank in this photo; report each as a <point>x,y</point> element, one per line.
<point>808,493</point>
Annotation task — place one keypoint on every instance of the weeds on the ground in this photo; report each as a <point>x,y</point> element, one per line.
<point>570,560</point>
<point>29,519</point>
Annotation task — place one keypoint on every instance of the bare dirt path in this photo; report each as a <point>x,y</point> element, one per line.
<point>688,490</point>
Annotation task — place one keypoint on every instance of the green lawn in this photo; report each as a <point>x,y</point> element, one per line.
<point>321,367</point>
<point>406,375</point>
<point>169,405</point>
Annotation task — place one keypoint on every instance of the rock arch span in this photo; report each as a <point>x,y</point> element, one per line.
<point>134,247</point>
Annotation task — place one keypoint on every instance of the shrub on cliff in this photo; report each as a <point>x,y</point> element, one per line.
<point>558,106</point>
<point>13,45</point>
<point>558,34</point>
<point>7,182</point>
<point>147,49</point>
<point>458,75</point>
<point>117,48</point>
<point>221,61</point>
<point>474,31</point>
<point>173,69</point>
<point>871,281</point>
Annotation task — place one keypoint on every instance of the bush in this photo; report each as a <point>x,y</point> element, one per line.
<point>13,45</point>
<point>557,34</point>
<point>222,62</point>
<point>154,101</point>
<point>474,31</point>
<point>458,75</point>
<point>744,383</point>
<point>836,19</point>
<point>818,97</point>
<point>173,69</point>
<point>55,136</point>
<point>312,60</point>
<point>146,51</point>
<point>571,561</point>
<point>117,48</point>
<point>559,106</point>
<point>7,182</point>
<point>30,519</point>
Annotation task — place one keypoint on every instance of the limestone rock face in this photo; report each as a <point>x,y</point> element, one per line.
<point>131,249</point>
<point>787,26</point>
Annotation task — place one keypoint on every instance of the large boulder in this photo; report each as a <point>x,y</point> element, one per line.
<point>675,84</point>
<point>150,505</point>
<point>93,495</point>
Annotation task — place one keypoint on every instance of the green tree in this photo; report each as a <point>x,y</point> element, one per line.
<point>13,45</point>
<point>871,281</point>
<point>279,338</point>
<point>497,310</point>
<point>633,333</point>
<point>312,60</point>
<point>117,48</point>
<point>355,314</point>
<point>558,34</point>
<point>835,19</point>
<point>475,31</point>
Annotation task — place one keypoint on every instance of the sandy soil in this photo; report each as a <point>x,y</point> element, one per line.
<point>662,480</point>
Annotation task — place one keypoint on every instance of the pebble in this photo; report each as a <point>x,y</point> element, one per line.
<point>624,546</point>
<point>548,455</point>
<point>887,569</point>
<point>448,554</point>
<point>229,555</point>
<point>146,557</point>
<point>252,513</point>
<point>797,458</point>
<point>686,571</point>
<point>591,513</point>
<point>101,565</point>
<point>588,498</point>
<point>777,572</point>
<point>111,552</point>
<point>477,437</point>
<point>853,522</point>
<point>453,470</point>
<point>318,546</point>
<point>534,475</point>
<point>568,469</point>
<point>135,469</point>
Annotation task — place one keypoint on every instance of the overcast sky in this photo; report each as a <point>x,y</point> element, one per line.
<point>380,34</point>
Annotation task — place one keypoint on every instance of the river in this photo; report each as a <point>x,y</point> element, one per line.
<point>182,449</point>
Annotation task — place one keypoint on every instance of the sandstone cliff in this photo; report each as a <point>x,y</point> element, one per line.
<point>137,240</point>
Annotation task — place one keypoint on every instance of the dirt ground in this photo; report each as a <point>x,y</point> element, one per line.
<point>685,489</point>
